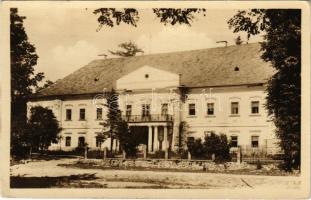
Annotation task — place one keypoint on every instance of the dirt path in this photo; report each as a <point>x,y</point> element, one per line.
<point>48,171</point>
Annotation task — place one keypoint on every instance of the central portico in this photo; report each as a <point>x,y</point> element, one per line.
<point>147,105</point>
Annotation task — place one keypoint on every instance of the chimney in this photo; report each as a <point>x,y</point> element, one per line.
<point>223,41</point>
<point>105,55</point>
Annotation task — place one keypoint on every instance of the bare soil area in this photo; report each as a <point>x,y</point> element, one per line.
<point>59,174</point>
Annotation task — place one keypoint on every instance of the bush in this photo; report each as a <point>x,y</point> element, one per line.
<point>180,154</point>
<point>258,165</point>
<point>196,149</point>
<point>218,145</point>
<point>159,154</point>
<point>213,144</point>
<point>97,154</point>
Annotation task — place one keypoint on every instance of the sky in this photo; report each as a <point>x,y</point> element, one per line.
<point>66,39</point>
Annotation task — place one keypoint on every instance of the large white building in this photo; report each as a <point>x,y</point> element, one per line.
<point>219,90</point>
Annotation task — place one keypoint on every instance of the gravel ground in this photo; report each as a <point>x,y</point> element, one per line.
<point>24,175</point>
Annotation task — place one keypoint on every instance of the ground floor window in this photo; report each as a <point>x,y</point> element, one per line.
<point>209,133</point>
<point>234,141</point>
<point>255,141</point>
<point>68,141</point>
<point>81,141</point>
<point>98,141</point>
<point>190,139</point>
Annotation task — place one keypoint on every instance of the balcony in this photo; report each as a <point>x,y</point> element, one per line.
<point>148,118</point>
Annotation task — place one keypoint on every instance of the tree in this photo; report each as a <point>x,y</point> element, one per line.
<point>182,137</point>
<point>128,139</point>
<point>129,49</point>
<point>101,138</point>
<point>117,128</point>
<point>23,78</point>
<point>282,48</point>
<point>42,128</point>
<point>196,148</point>
<point>238,40</point>
<point>113,116</point>
<point>47,84</point>
<point>111,16</point>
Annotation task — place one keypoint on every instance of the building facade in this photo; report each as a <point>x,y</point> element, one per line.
<point>220,90</point>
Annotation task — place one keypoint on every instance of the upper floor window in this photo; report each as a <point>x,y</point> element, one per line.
<point>234,141</point>
<point>68,114</point>
<point>210,109</point>
<point>146,110</point>
<point>128,110</point>
<point>255,107</point>
<point>68,141</point>
<point>191,109</point>
<point>164,110</point>
<point>99,113</point>
<point>82,113</point>
<point>234,108</point>
<point>255,141</point>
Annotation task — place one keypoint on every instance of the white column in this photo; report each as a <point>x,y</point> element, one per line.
<point>114,144</point>
<point>156,141</point>
<point>165,143</point>
<point>150,139</point>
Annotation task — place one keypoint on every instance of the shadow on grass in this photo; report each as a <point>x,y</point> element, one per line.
<point>72,181</point>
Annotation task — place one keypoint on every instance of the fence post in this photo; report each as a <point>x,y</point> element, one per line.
<point>145,151</point>
<point>85,152</point>
<point>166,154</point>
<point>213,157</point>
<point>239,155</point>
<point>105,153</point>
<point>123,154</point>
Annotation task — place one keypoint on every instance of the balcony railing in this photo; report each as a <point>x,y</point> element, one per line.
<point>148,118</point>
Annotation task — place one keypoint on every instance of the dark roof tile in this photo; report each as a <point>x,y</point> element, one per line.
<point>206,67</point>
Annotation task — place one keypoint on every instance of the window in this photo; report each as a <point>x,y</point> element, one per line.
<point>234,108</point>
<point>68,114</point>
<point>210,109</point>
<point>99,141</point>
<point>209,133</point>
<point>82,114</point>
<point>68,141</point>
<point>146,109</point>
<point>191,109</point>
<point>255,107</point>
<point>234,141</point>
<point>164,110</point>
<point>81,142</point>
<point>99,113</point>
<point>190,139</point>
<point>128,110</point>
<point>255,141</point>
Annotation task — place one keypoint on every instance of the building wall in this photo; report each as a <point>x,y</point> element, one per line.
<point>244,125</point>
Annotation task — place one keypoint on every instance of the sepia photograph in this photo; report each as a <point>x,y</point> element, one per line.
<point>157,97</point>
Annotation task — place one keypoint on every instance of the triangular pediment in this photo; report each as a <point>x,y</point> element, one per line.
<point>148,77</point>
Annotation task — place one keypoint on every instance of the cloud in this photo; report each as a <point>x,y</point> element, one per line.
<point>69,58</point>
<point>179,38</point>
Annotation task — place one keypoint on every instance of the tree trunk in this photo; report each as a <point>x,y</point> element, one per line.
<point>30,152</point>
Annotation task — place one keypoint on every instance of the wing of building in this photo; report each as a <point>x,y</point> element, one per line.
<point>220,90</point>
